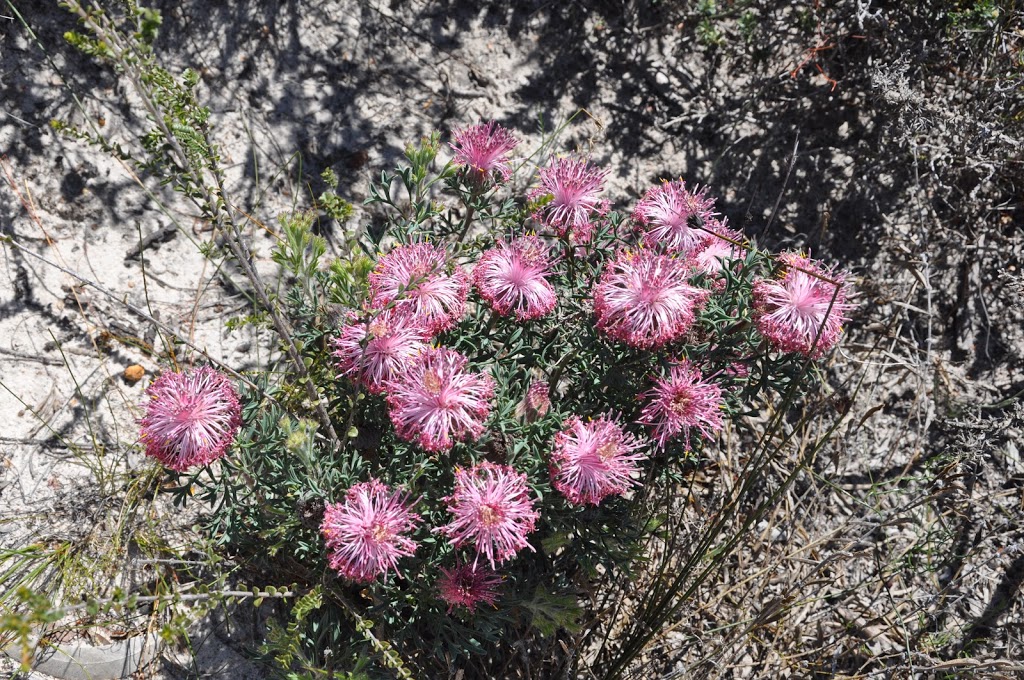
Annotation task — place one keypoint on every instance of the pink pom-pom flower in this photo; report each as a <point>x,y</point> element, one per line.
<point>365,533</point>
<point>574,187</point>
<point>672,217</point>
<point>802,311</point>
<point>468,585</point>
<point>536,403</point>
<point>191,418</point>
<point>718,247</point>
<point>683,402</point>
<point>511,277</point>
<point>436,402</point>
<point>483,150</point>
<point>492,509</point>
<point>645,299</point>
<point>376,351</point>
<point>593,460</point>
<point>416,281</point>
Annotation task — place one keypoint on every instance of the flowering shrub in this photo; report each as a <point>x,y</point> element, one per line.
<point>515,380</point>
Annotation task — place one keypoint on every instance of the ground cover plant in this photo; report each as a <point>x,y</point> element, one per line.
<point>512,422</point>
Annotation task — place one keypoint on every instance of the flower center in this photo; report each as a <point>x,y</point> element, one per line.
<point>489,515</point>
<point>680,404</point>
<point>377,328</point>
<point>607,451</point>
<point>379,532</point>
<point>432,383</point>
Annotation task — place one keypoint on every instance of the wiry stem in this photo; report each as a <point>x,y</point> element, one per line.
<point>211,200</point>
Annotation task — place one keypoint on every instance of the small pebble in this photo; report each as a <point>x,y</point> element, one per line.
<point>133,374</point>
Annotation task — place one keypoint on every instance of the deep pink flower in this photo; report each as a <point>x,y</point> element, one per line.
<point>718,247</point>
<point>492,509</point>
<point>436,402</point>
<point>672,217</point>
<point>511,277</point>
<point>378,350</point>
<point>574,187</point>
<point>415,281</point>
<point>191,418</point>
<point>467,585</point>
<point>484,150</point>
<point>536,403</point>
<point>593,460</point>
<point>645,300</point>
<point>683,402</point>
<point>364,533</point>
<point>803,311</point>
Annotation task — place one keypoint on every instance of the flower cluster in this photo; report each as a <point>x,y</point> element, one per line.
<point>569,192</point>
<point>646,300</point>
<point>467,585</point>
<point>672,217</point>
<point>484,151</point>
<point>590,461</point>
<point>417,282</point>
<point>437,401</point>
<point>512,278</point>
<point>683,402</point>
<point>191,418</point>
<point>492,510</point>
<point>376,351</point>
<point>803,309</point>
<point>366,533</point>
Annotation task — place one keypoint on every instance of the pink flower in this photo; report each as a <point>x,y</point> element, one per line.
<point>536,403</point>
<point>435,401</point>
<point>683,402</point>
<point>377,351</point>
<point>511,277</point>
<point>414,280</point>
<point>492,509</point>
<point>483,149</point>
<point>645,300</point>
<point>718,247</point>
<point>803,311</point>
<point>670,216</point>
<point>573,186</point>
<point>593,460</point>
<point>364,533</point>
<point>191,418</point>
<point>466,585</point>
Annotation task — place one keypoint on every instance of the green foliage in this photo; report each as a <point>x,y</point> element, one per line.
<point>974,15</point>
<point>33,610</point>
<point>551,612</point>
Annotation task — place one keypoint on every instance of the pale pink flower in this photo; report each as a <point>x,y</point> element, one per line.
<point>593,460</point>
<point>364,533</point>
<point>718,247</point>
<point>536,403</point>
<point>672,217</point>
<point>467,585</point>
<point>511,276</point>
<point>802,311</point>
<point>436,402</point>
<point>191,418</point>
<point>645,299</point>
<point>683,402</point>
<point>416,281</point>
<point>492,509</point>
<point>375,351</point>
<point>574,188</point>
<point>484,150</point>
